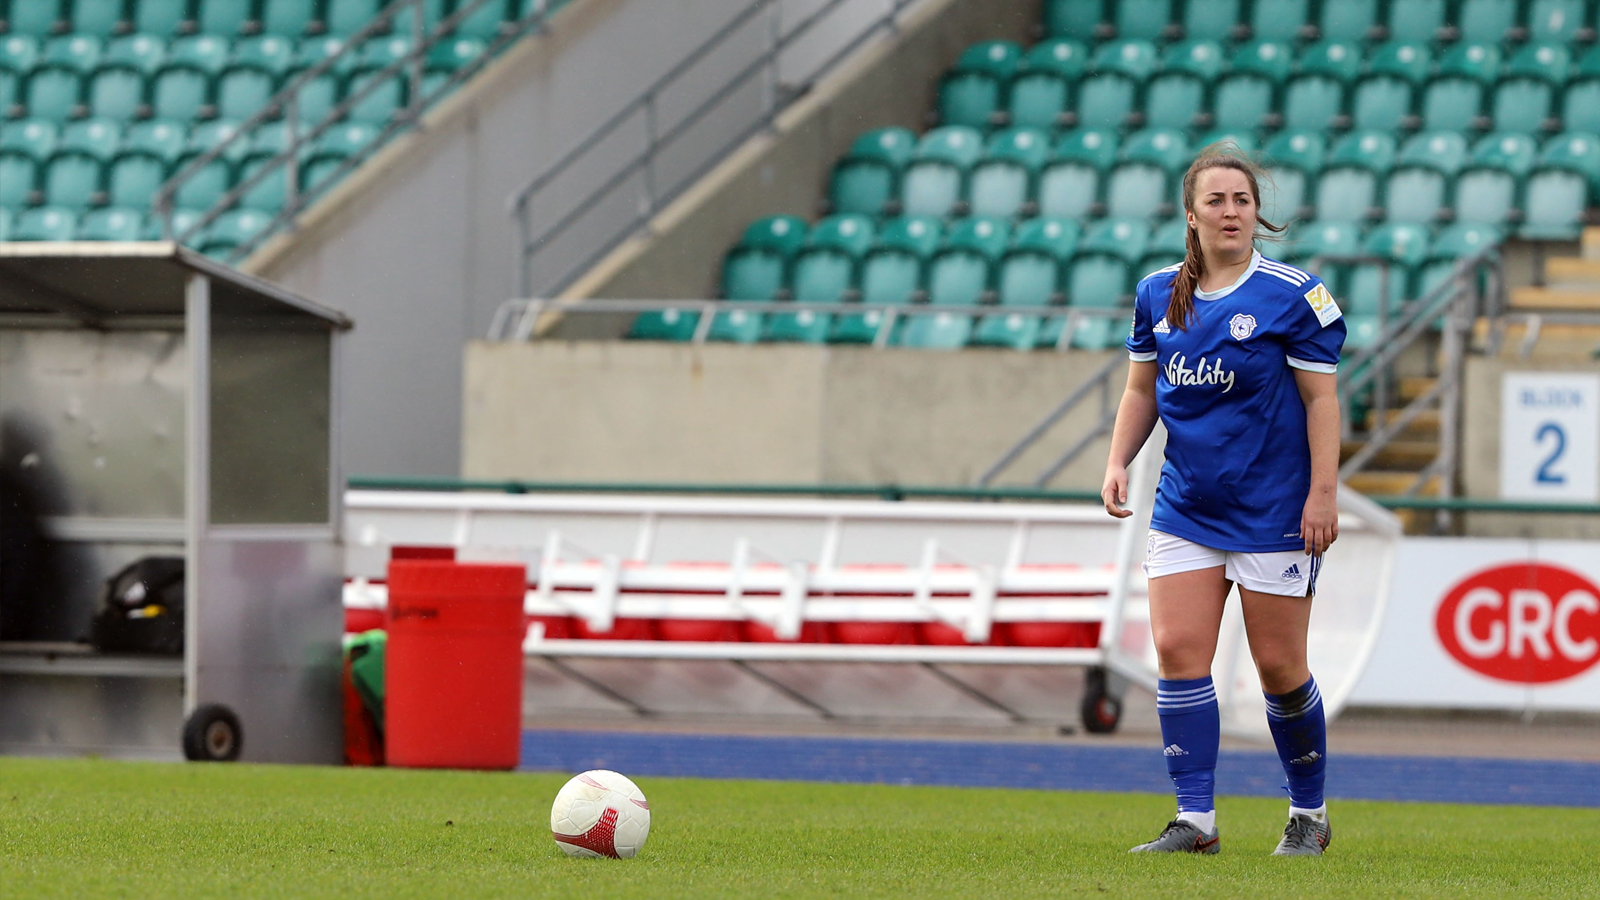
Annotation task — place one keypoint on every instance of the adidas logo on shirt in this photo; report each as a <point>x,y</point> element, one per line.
<point>1175,750</point>
<point>1292,573</point>
<point>1162,327</point>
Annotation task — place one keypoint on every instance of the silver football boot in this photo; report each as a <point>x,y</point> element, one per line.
<point>1182,837</point>
<point>1304,836</point>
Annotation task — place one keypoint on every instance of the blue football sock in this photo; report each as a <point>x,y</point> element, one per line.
<point>1301,732</point>
<point>1190,732</point>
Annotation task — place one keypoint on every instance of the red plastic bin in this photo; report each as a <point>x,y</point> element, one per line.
<point>453,665</point>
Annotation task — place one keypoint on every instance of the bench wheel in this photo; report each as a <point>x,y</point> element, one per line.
<point>1101,709</point>
<point>212,734</point>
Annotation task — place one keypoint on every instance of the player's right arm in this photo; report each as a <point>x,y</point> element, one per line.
<point>1136,418</point>
<point>1136,414</point>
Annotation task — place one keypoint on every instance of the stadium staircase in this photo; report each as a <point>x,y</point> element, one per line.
<point>113,108</point>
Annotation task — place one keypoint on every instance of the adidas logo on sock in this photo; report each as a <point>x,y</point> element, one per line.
<point>1292,573</point>
<point>1174,750</point>
<point>1306,760</point>
<point>1162,327</point>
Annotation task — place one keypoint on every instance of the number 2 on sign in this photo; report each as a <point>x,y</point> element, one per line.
<point>1545,475</point>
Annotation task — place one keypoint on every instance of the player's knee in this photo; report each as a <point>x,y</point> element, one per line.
<point>1182,659</point>
<point>1281,672</point>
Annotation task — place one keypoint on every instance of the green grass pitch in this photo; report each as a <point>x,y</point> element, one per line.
<point>95,828</point>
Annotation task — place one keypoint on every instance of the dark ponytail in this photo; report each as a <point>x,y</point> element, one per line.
<point>1223,155</point>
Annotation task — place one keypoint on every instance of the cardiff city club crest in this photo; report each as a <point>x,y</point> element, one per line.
<point>1242,326</point>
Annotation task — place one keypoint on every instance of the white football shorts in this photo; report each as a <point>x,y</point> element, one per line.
<point>1290,573</point>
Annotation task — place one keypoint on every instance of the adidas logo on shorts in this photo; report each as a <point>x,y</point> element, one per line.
<point>1292,573</point>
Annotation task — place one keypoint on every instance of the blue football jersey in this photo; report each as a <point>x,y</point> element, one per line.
<point>1238,465</point>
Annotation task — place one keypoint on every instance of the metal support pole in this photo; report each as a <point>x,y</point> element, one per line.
<point>417,35</point>
<point>291,166</point>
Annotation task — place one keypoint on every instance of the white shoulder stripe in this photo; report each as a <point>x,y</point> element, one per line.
<point>1142,357</point>
<point>1286,269</point>
<point>1165,271</point>
<point>1295,279</point>
<point>1307,365</point>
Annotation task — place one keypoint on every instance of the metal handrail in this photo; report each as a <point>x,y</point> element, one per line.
<point>518,320</point>
<point>286,103</point>
<point>521,203</point>
<point>1099,382</point>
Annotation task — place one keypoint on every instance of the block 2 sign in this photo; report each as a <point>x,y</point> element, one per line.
<point>1549,432</point>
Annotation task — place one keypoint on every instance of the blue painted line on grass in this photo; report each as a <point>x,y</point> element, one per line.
<point>1072,767</point>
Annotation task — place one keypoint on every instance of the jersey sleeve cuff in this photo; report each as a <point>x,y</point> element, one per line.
<point>1142,357</point>
<point>1306,365</point>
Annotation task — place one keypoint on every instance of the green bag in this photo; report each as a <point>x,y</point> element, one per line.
<point>366,669</point>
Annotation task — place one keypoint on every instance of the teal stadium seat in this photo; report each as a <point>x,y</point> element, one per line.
<point>866,180</point>
<point>1348,187</point>
<point>1076,19</point>
<point>934,180</point>
<point>1335,59</point>
<point>207,186</point>
<point>10,91</point>
<point>346,17</point>
<point>209,53</point>
<point>217,133</point>
<point>823,272</point>
<point>289,18</point>
<point>485,21</point>
<point>1170,238</point>
<point>756,268</point>
<point>1488,188</point>
<point>1213,20</point>
<point>162,18</point>
<point>1417,189</point>
<point>234,229</point>
<point>1069,186</point>
<point>671,324</point>
<point>1560,21</point>
<point>117,92</point>
<point>1412,62</point>
<point>79,52</point>
<point>224,17</point>
<point>35,137</point>
<point>1458,242</point>
<point>1095,281</point>
<point>45,223</point>
<point>271,192</point>
<point>1173,100</point>
<point>54,92</point>
<point>1371,289</point>
<point>1416,21</point>
<point>1105,100</point>
<point>311,51</point>
<point>181,91</point>
<point>969,98</point>
<point>6,218</point>
<point>1280,20</point>
<point>1313,103</point>
<point>962,271</point>
<point>1125,239</point>
<point>1560,188</point>
<point>272,53</point>
<point>1134,58</point>
<point>1242,101</point>
<point>346,139</point>
<point>380,104</point>
<point>1524,100</point>
<point>1382,103</point>
<point>99,17</point>
<point>1293,159</point>
<point>134,177</point>
<point>317,98</point>
<point>451,54</point>
<point>1029,277</point>
<point>1002,183</point>
<point>73,180</point>
<point>1353,21</point>
<point>1040,94</point>
<point>158,137</point>
<point>33,17</point>
<point>892,273</point>
<point>433,12</point>
<point>100,138</point>
<point>1323,238</point>
<point>19,176</point>
<point>1245,140</point>
<point>1142,184</point>
<point>111,224</point>
<point>18,52</point>
<point>1146,20</point>
<point>242,91</point>
<point>1203,59</point>
<point>1487,21</point>
<point>143,52</point>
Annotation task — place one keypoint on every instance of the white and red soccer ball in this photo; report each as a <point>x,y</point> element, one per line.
<point>600,813</point>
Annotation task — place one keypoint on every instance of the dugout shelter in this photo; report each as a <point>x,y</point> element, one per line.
<point>158,403</point>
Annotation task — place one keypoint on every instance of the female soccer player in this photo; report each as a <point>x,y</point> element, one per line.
<point>1236,353</point>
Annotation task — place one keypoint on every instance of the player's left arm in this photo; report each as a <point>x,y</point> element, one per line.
<point>1319,522</point>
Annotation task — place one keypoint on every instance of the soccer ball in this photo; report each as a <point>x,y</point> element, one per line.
<point>600,813</point>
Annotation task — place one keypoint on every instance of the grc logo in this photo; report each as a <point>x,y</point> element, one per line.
<point>1530,623</point>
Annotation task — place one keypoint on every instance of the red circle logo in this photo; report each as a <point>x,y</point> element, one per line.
<point>1531,623</point>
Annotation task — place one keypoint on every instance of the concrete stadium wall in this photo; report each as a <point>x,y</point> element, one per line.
<point>418,246</point>
<point>727,414</point>
<point>895,83</point>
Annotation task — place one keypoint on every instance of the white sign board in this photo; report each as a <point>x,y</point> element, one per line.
<point>1549,431</point>
<point>1479,623</point>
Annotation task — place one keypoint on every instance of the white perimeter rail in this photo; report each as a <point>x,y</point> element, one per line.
<point>783,562</point>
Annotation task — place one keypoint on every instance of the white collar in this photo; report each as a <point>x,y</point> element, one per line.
<point>1219,293</point>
